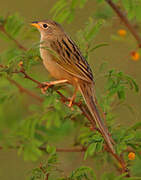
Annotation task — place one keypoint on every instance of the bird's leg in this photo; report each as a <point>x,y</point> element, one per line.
<point>73,97</point>
<point>46,85</point>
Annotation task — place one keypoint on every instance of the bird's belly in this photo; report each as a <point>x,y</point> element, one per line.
<point>49,64</point>
<point>53,69</point>
<point>56,71</point>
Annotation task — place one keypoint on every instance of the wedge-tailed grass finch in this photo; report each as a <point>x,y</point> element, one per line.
<point>64,61</point>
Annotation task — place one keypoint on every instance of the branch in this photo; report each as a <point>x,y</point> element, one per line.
<point>86,114</point>
<point>124,19</point>
<point>71,150</point>
<point>81,149</point>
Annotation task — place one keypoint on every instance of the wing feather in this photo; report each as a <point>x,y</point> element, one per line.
<point>71,59</point>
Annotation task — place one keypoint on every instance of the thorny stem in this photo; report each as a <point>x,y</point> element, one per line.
<point>125,20</point>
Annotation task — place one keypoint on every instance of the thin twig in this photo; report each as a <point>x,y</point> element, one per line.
<point>125,20</point>
<point>81,149</point>
<point>78,149</point>
<point>47,176</point>
<point>71,150</point>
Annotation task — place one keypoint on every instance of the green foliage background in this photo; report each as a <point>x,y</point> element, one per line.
<point>35,130</point>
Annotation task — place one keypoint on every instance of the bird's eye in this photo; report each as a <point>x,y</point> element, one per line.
<point>45,25</point>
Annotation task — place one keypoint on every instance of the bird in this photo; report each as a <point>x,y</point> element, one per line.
<point>65,62</point>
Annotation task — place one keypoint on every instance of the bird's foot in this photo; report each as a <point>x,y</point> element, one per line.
<point>71,101</point>
<point>45,86</point>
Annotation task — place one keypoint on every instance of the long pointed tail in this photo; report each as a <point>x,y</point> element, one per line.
<point>87,93</point>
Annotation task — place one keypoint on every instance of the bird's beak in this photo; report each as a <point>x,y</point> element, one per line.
<point>35,24</point>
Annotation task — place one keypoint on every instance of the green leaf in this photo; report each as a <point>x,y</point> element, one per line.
<point>138,12</point>
<point>94,30</point>
<point>82,3</point>
<point>135,168</point>
<point>98,46</point>
<point>14,24</point>
<point>121,177</point>
<point>121,94</point>
<point>128,5</point>
<point>59,3</point>
<point>74,3</point>
<point>90,150</point>
<point>82,173</point>
<point>120,147</point>
<point>13,54</point>
<point>107,176</point>
<point>136,126</point>
<point>50,149</point>
<point>31,152</point>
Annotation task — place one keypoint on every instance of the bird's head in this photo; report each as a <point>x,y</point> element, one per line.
<point>48,28</point>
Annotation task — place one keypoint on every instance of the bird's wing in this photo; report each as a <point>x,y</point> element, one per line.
<point>70,59</point>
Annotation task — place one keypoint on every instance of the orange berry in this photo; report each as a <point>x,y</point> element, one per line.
<point>20,63</point>
<point>131,156</point>
<point>135,56</point>
<point>122,32</point>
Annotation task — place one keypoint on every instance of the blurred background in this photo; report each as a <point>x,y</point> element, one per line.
<point>116,55</point>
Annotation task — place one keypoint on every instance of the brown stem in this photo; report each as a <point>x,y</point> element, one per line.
<point>81,149</point>
<point>47,176</point>
<point>122,163</point>
<point>71,150</point>
<point>124,19</point>
<point>44,171</point>
<point>30,78</point>
<point>11,38</point>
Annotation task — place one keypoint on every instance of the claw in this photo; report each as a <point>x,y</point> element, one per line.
<point>72,99</point>
<point>45,87</point>
<point>70,103</point>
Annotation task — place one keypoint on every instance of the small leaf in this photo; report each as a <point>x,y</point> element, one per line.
<point>50,149</point>
<point>98,46</point>
<point>14,24</point>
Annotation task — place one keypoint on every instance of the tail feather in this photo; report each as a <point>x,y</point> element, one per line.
<point>87,93</point>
